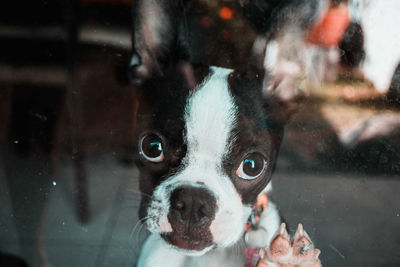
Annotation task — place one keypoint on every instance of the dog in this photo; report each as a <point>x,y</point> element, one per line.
<point>207,143</point>
<point>371,40</point>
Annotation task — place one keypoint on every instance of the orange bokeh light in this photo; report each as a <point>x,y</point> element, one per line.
<point>225,13</point>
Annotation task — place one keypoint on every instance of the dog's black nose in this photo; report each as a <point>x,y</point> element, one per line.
<point>192,207</point>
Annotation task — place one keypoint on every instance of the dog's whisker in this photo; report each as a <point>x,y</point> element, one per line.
<point>136,192</point>
<point>130,198</point>
<point>128,195</point>
<point>239,248</point>
<point>130,207</point>
<point>137,229</point>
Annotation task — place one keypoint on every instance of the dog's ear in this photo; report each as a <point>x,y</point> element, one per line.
<point>159,37</point>
<point>283,102</point>
<point>283,96</point>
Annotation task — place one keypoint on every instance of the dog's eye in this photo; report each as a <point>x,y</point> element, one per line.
<point>150,147</point>
<point>252,166</point>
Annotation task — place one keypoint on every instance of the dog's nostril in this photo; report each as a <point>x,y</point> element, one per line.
<point>203,211</point>
<point>179,205</point>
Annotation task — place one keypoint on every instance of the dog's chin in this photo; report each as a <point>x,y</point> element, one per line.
<point>188,245</point>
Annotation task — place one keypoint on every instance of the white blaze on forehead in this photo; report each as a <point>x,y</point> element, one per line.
<point>210,115</point>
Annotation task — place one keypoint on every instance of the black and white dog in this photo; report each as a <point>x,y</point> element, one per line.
<point>208,140</point>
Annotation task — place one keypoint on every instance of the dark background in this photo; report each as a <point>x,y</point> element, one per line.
<point>68,188</point>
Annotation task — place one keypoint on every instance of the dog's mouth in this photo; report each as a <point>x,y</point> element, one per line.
<point>188,242</point>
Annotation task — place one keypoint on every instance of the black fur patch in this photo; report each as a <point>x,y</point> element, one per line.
<point>256,131</point>
<point>162,101</point>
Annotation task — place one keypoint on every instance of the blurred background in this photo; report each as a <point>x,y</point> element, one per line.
<point>68,185</point>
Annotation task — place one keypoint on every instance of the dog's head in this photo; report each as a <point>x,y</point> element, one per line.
<point>207,138</point>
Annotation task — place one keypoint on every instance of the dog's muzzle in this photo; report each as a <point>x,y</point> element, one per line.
<point>192,209</point>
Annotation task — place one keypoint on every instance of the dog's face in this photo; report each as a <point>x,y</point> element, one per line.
<point>205,154</point>
<point>207,143</point>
